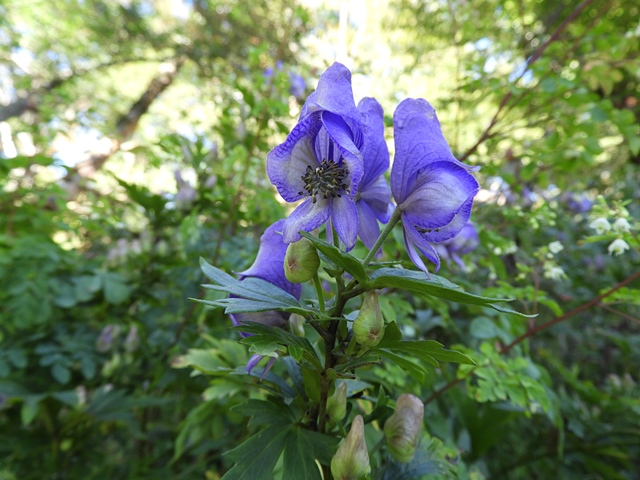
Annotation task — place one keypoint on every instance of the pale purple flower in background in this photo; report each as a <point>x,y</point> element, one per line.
<point>577,202</point>
<point>320,162</point>
<point>464,242</point>
<point>297,85</point>
<point>432,189</point>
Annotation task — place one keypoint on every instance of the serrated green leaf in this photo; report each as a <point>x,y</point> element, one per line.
<point>298,460</point>
<point>366,359</point>
<point>263,412</point>
<point>257,456</point>
<point>341,259</point>
<point>418,282</point>
<point>260,346</point>
<point>412,369</point>
<point>392,334</point>
<point>249,288</point>
<point>281,337</point>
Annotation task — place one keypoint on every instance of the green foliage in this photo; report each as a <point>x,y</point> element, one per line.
<point>108,371</point>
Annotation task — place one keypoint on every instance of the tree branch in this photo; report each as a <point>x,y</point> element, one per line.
<point>530,61</point>
<point>31,101</point>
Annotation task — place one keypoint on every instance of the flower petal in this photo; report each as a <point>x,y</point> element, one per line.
<point>334,94</point>
<point>255,359</point>
<point>419,141</point>
<point>342,137</point>
<point>269,263</point>
<point>344,217</point>
<point>378,197</point>
<point>412,237</point>
<point>453,227</point>
<point>368,229</point>
<point>375,153</point>
<point>308,216</point>
<point>438,193</point>
<point>287,163</point>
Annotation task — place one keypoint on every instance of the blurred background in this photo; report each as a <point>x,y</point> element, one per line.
<point>133,137</point>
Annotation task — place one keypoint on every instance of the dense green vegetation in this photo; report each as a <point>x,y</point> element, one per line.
<point>133,138</point>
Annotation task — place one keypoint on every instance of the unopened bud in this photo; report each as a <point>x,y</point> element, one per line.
<point>132,342</point>
<point>403,428</point>
<point>337,403</point>
<point>296,324</point>
<point>368,327</point>
<point>351,461</point>
<point>301,261</point>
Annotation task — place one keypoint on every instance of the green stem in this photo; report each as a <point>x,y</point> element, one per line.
<point>318,285</point>
<point>339,279</point>
<point>395,218</point>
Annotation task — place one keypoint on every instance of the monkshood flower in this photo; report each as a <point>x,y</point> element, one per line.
<point>433,190</point>
<point>453,249</point>
<point>373,197</point>
<point>268,266</point>
<point>320,162</point>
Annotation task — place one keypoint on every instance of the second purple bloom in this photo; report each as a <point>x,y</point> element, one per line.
<point>433,190</point>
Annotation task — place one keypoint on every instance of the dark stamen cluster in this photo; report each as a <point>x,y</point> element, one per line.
<point>326,179</point>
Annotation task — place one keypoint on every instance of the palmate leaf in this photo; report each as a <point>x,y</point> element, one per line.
<point>257,456</point>
<point>341,259</point>
<point>418,282</point>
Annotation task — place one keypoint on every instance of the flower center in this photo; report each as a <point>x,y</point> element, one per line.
<point>327,179</point>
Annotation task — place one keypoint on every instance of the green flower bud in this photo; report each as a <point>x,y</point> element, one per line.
<point>337,403</point>
<point>301,261</point>
<point>368,327</point>
<point>296,324</point>
<point>351,461</point>
<point>403,428</point>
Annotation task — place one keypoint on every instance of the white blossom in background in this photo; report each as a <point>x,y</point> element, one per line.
<point>618,247</point>
<point>552,271</point>
<point>621,225</point>
<point>555,247</point>
<point>600,225</point>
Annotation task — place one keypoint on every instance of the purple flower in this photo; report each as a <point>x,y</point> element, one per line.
<point>466,241</point>
<point>320,162</point>
<point>577,202</point>
<point>297,85</point>
<point>432,189</point>
<point>268,266</point>
<point>373,198</point>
